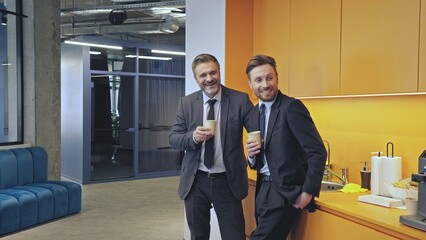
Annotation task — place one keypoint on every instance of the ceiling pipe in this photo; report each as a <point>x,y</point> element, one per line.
<point>167,26</point>
<point>89,22</point>
<point>107,9</point>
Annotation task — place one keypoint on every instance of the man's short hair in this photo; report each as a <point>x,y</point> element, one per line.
<point>259,60</point>
<point>203,58</point>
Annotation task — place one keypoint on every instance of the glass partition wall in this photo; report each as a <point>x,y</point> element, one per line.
<point>133,105</point>
<point>11,123</point>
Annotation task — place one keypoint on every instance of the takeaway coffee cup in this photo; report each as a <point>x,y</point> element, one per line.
<point>255,136</point>
<point>210,124</point>
<point>411,204</point>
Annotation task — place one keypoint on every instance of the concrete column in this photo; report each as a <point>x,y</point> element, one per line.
<point>42,79</point>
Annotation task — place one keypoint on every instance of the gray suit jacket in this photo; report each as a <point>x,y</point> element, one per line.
<point>235,107</point>
<point>294,149</point>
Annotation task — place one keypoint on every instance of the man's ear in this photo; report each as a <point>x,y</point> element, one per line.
<point>249,83</point>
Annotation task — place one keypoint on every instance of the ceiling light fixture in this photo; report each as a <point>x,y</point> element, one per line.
<point>164,10</point>
<point>150,57</point>
<point>94,45</point>
<point>168,52</point>
<point>95,52</point>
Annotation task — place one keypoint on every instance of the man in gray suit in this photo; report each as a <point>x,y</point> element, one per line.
<point>214,167</point>
<point>290,161</point>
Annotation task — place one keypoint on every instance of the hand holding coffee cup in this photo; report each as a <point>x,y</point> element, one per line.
<point>210,124</point>
<point>254,143</point>
<point>255,136</point>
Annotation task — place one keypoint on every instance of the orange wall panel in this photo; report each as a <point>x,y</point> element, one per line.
<point>238,43</point>
<point>355,127</point>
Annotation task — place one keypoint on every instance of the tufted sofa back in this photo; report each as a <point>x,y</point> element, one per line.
<point>22,166</point>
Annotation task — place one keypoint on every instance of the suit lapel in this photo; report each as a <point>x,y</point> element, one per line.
<point>224,107</point>
<point>199,109</point>
<point>275,110</point>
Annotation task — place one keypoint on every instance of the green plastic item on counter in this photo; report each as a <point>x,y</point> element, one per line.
<point>352,188</point>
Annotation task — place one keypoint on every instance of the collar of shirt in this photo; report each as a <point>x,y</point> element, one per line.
<point>267,104</point>
<point>218,96</point>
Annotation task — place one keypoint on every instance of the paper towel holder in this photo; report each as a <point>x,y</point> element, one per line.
<point>387,149</point>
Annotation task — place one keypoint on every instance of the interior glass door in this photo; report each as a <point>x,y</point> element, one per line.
<point>112,130</point>
<point>134,102</point>
<point>157,109</point>
<point>112,121</point>
<point>161,84</point>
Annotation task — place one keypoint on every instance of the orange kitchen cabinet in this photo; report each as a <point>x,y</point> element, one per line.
<point>271,24</point>
<point>323,225</point>
<point>314,47</point>
<point>422,55</point>
<point>248,208</point>
<point>379,46</point>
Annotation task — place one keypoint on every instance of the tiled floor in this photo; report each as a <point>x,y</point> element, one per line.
<point>147,209</point>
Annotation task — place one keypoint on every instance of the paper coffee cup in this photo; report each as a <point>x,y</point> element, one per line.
<point>411,204</point>
<point>210,124</point>
<point>255,136</point>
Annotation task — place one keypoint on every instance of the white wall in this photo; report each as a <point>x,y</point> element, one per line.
<point>205,33</point>
<point>74,69</point>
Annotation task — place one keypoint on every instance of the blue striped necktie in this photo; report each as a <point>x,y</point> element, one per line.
<point>260,159</point>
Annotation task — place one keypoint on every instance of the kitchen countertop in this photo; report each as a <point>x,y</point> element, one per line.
<point>382,219</point>
<point>347,206</point>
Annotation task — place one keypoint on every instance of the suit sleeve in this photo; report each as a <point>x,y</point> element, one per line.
<point>180,137</point>
<point>310,140</point>
<point>248,124</point>
<point>248,107</point>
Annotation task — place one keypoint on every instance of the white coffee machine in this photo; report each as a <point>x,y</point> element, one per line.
<point>418,220</point>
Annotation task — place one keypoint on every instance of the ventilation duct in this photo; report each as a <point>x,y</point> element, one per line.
<point>128,7</point>
<point>167,26</point>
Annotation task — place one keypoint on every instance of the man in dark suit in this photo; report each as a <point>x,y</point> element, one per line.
<point>291,158</point>
<point>218,178</point>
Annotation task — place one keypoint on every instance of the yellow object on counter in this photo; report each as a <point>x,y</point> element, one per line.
<point>352,188</point>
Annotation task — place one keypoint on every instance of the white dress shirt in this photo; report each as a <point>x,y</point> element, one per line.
<point>252,161</point>
<point>218,165</point>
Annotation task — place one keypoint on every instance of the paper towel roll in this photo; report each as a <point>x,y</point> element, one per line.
<point>375,175</point>
<point>390,172</point>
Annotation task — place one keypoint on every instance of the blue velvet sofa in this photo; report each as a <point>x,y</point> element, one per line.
<point>27,198</point>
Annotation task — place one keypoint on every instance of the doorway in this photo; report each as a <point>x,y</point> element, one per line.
<point>130,95</point>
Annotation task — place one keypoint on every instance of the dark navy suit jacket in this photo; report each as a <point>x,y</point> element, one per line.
<point>294,149</point>
<point>235,107</point>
